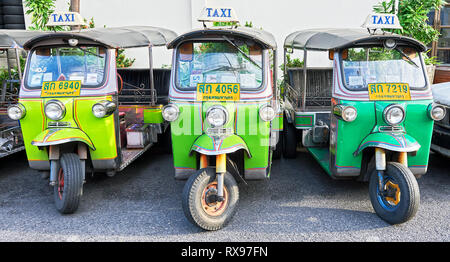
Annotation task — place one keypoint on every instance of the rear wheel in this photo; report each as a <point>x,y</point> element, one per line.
<point>69,184</point>
<point>399,200</point>
<point>200,203</point>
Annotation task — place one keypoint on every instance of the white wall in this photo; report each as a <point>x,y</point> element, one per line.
<point>280,17</point>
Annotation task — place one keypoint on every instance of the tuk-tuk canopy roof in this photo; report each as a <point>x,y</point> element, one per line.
<point>264,38</point>
<point>118,37</point>
<point>16,38</point>
<point>332,39</point>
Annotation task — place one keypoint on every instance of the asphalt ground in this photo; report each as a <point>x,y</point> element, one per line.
<point>143,203</point>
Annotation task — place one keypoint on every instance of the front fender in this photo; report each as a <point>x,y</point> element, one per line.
<point>58,136</point>
<point>389,141</point>
<point>208,145</point>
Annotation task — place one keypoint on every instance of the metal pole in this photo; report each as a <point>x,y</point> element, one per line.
<point>305,53</point>
<point>152,87</point>
<point>19,68</point>
<point>75,7</point>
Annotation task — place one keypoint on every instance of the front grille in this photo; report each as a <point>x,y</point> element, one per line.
<point>390,129</point>
<point>58,124</point>
<point>219,131</point>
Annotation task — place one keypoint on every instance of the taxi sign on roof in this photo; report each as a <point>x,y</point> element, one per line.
<point>218,14</point>
<point>382,21</point>
<point>65,19</point>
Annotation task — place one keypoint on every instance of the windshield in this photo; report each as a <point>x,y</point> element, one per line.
<point>219,62</point>
<point>363,66</point>
<point>86,64</point>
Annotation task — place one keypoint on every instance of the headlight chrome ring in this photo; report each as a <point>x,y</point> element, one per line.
<point>16,112</point>
<point>394,114</point>
<point>55,110</point>
<point>217,116</point>
<point>346,113</point>
<point>170,112</point>
<point>103,108</point>
<point>436,112</point>
<point>267,113</point>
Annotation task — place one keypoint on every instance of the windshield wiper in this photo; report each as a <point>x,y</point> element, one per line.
<point>407,57</point>
<point>226,68</point>
<point>86,51</point>
<point>242,52</point>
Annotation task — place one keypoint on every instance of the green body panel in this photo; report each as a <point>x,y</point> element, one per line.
<point>350,134</point>
<point>255,132</point>
<point>419,126</point>
<point>304,120</point>
<point>57,136</point>
<point>33,123</point>
<point>153,115</point>
<point>353,137</point>
<point>184,131</point>
<point>244,127</point>
<point>98,133</point>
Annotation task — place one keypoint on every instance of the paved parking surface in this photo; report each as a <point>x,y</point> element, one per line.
<point>143,203</point>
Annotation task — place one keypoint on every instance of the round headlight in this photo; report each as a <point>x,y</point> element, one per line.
<point>437,112</point>
<point>103,108</point>
<point>99,110</point>
<point>349,113</point>
<point>217,116</point>
<point>394,114</point>
<point>16,112</point>
<point>170,112</point>
<point>55,110</point>
<point>267,113</point>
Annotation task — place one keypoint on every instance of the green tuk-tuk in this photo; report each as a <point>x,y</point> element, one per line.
<point>369,116</point>
<point>80,114</point>
<point>223,108</point>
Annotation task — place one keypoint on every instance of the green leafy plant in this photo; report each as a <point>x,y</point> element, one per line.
<point>122,61</point>
<point>40,11</point>
<point>413,16</point>
<point>430,60</point>
<point>290,63</point>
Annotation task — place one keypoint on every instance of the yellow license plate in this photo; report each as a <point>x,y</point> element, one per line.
<point>389,91</point>
<point>61,88</point>
<point>218,92</point>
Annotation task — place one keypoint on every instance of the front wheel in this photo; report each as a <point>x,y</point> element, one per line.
<point>399,200</point>
<point>69,184</point>
<point>200,203</point>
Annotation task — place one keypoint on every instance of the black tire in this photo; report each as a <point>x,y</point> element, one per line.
<point>71,176</point>
<point>279,147</point>
<point>13,19</point>
<point>192,200</point>
<point>13,10</point>
<point>289,140</point>
<point>409,197</point>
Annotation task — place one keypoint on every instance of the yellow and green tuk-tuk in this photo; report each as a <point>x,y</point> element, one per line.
<point>80,114</point>
<point>223,106</point>
<point>369,116</point>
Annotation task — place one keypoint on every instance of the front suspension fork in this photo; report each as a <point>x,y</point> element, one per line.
<point>380,164</point>
<point>221,169</point>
